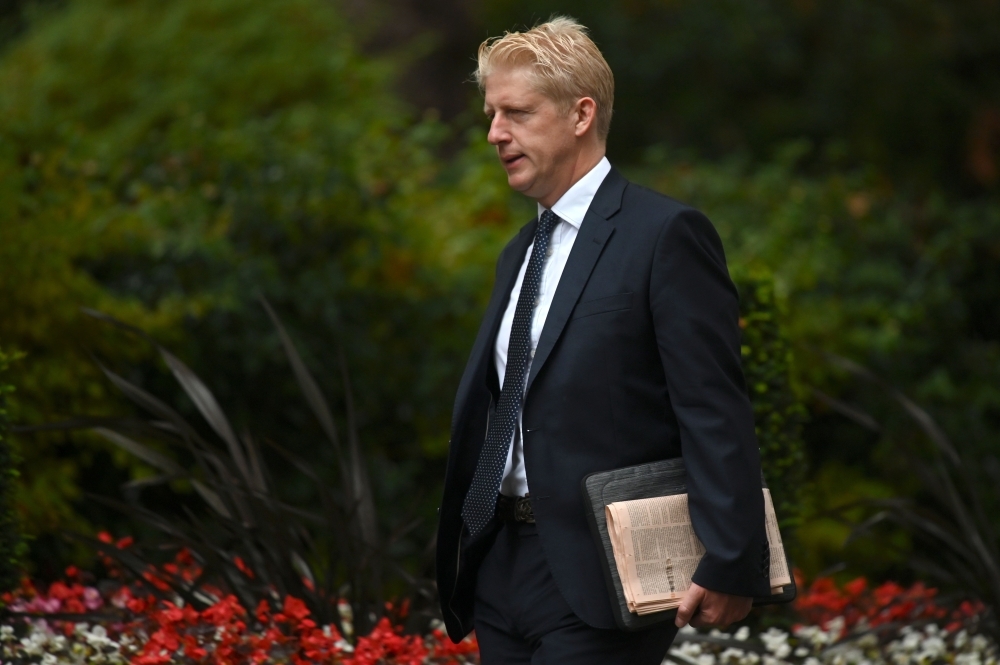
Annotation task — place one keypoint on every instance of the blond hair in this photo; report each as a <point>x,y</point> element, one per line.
<point>565,63</point>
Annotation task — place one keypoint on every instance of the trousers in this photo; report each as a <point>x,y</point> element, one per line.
<point>521,616</point>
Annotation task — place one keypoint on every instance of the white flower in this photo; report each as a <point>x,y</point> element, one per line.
<point>933,647</point>
<point>742,633</point>
<point>732,654</point>
<point>911,641</point>
<point>715,632</point>
<point>968,659</point>
<point>835,627</point>
<point>801,652</point>
<point>706,659</point>
<point>808,634</point>
<point>776,641</point>
<point>811,661</point>
<point>32,647</point>
<point>690,649</point>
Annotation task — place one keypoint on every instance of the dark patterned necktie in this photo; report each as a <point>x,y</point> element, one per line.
<point>480,502</point>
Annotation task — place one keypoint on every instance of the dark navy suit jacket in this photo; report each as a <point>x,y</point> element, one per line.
<point>638,361</point>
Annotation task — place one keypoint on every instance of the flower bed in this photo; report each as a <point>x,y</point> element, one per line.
<point>853,625</point>
<point>815,645</point>
<point>124,621</point>
<point>146,631</point>
<point>74,622</point>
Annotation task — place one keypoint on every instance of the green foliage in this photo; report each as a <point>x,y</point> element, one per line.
<point>778,411</point>
<point>906,284</point>
<point>909,88</point>
<point>12,545</point>
<point>954,524</point>
<point>317,553</point>
<point>165,163</point>
<point>835,501</point>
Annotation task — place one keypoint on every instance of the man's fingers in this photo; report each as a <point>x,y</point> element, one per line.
<point>689,605</point>
<point>684,614</point>
<point>703,608</point>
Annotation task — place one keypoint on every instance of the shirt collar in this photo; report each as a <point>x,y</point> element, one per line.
<point>573,205</point>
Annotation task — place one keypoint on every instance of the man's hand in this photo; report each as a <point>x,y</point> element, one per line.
<point>701,607</point>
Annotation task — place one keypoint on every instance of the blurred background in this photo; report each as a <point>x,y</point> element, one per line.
<point>174,164</point>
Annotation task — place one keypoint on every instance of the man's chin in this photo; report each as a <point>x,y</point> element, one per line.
<point>519,182</point>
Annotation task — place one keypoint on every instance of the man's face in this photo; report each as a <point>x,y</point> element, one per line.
<point>534,136</point>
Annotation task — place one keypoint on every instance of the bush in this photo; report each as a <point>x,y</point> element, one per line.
<point>902,282</point>
<point>12,546</point>
<point>165,163</point>
<point>778,412</point>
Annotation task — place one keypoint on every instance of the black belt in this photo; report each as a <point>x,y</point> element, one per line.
<point>514,509</point>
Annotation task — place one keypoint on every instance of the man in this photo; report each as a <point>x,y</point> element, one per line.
<point>611,339</point>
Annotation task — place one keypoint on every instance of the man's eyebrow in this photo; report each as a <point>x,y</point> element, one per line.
<point>523,108</point>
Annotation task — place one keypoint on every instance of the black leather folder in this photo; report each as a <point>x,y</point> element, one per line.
<point>642,481</point>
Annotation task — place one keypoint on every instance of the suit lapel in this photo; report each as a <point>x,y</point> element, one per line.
<point>590,240</point>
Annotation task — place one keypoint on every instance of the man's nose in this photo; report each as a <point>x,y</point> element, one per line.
<point>498,131</point>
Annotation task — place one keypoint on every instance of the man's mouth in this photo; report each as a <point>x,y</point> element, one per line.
<point>512,160</point>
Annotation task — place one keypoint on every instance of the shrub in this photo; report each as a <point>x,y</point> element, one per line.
<point>778,412</point>
<point>12,546</point>
<point>164,163</point>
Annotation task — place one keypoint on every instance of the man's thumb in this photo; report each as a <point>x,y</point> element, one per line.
<point>689,605</point>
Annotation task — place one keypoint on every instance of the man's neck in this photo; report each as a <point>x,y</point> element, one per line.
<point>583,164</point>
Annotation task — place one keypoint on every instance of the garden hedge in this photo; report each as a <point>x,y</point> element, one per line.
<point>12,547</point>
<point>778,412</point>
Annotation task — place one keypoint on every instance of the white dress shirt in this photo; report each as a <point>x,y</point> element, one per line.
<point>571,209</point>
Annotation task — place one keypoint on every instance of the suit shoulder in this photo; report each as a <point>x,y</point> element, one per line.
<point>652,209</point>
<point>646,200</point>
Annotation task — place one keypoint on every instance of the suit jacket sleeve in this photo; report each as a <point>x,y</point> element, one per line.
<point>696,317</point>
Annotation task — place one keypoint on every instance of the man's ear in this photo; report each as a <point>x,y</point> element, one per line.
<point>584,116</point>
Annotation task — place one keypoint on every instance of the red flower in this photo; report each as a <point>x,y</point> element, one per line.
<point>228,610</point>
<point>823,601</point>
<point>856,587</point>
<point>243,568</point>
<point>295,609</point>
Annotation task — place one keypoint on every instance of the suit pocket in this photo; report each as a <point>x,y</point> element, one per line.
<point>615,303</point>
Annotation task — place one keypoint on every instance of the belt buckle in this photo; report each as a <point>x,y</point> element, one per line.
<point>522,511</point>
